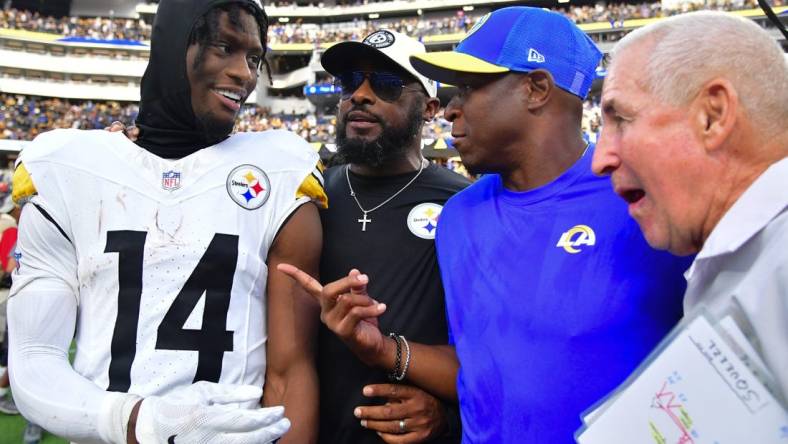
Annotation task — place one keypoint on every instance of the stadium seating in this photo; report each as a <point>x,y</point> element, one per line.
<point>84,72</point>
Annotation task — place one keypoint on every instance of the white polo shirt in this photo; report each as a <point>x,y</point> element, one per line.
<point>742,269</point>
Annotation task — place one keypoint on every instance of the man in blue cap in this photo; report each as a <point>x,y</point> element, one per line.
<point>553,295</point>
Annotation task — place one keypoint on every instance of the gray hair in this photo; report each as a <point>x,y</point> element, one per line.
<point>690,49</point>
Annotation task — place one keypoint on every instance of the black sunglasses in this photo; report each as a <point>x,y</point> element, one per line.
<point>387,86</point>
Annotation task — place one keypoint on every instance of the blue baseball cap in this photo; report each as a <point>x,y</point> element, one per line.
<point>519,39</point>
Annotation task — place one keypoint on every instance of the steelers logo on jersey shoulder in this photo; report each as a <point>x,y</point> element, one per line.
<point>248,186</point>
<point>423,220</point>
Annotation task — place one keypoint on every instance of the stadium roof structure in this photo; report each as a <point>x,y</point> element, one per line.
<point>47,64</point>
<point>429,40</point>
<point>392,7</point>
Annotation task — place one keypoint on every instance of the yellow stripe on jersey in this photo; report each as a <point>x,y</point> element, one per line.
<point>22,185</point>
<point>312,187</point>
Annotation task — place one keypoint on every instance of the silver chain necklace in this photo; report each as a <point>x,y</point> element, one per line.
<point>364,221</point>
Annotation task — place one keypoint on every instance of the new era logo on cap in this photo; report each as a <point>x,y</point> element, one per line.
<point>507,40</point>
<point>534,56</point>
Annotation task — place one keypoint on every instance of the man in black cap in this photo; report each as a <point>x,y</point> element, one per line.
<point>384,376</point>
<point>157,255</point>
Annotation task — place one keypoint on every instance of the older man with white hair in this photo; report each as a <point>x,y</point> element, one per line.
<point>695,139</point>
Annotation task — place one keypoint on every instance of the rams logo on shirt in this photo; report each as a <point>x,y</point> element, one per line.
<point>577,237</point>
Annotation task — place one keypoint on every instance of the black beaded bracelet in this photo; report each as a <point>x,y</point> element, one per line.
<point>398,360</point>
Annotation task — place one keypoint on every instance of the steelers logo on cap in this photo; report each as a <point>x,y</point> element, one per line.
<point>379,39</point>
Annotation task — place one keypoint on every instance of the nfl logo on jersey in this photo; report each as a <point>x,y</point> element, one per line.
<point>171,180</point>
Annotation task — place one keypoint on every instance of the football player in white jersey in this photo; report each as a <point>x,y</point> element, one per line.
<point>159,257</point>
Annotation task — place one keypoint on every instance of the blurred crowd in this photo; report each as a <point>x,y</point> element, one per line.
<point>24,117</point>
<point>310,127</point>
<point>333,32</point>
<point>616,13</point>
<point>93,28</point>
<point>340,3</point>
<point>613,13</point>
<point>297,32</point>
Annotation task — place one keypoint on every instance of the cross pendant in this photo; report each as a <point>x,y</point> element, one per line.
<point>364,222</point>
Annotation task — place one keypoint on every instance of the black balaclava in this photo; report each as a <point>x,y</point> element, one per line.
<point>168,126</point>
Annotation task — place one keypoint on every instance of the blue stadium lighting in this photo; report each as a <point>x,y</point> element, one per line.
<point>321,89</point>
<point>318,89</point>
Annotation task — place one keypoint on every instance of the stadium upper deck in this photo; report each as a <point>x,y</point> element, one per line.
<point>441,25</point>
<point>103,59</point>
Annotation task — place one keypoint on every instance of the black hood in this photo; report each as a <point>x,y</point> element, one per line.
<point>168,126</point>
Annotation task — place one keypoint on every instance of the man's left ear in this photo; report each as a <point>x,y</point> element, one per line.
<point>717,107</point>
<point>431,106</point>
<point>539,86</point>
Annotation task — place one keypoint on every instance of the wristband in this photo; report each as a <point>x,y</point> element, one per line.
<point>405,366</point>
<point>398,360</point>
<point>114,416</point>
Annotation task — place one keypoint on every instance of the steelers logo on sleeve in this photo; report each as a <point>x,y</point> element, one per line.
<point>248,186</point>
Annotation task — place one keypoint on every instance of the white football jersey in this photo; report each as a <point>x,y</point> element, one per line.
<point>166,257</point>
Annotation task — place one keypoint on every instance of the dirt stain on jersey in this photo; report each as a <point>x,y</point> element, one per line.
<point>100,215</point>
<point>121,199</point>
<point>169,220</point>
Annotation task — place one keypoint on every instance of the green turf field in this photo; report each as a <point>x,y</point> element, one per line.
<point>11,428</point>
